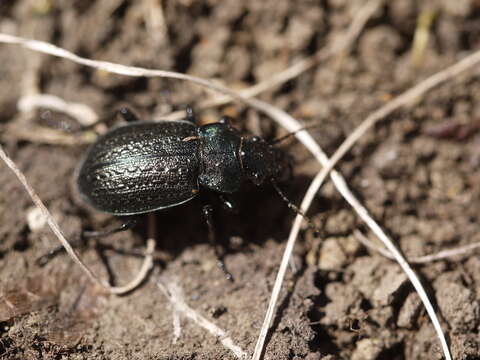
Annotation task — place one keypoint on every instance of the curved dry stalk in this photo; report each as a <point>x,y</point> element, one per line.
<point>84,114</point>
<point>441,255</point>
<point>147,262</point>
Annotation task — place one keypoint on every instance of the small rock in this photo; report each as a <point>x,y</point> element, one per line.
<point>389,285</point>
<point>344,300</point>
<point>367,349</point>
<point>363,274</point>
<point>351,245</point>
<point>332,256</point>
<point>315,356</point>
<point>409,311</point>
<point>381,315</point>
<point>378,48</point>
<point>35,219</point>
<point>459,8</point>
<point>458,304</point>
<point>340,223</point>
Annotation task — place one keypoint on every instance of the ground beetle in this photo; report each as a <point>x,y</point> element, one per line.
<point>143,166</point>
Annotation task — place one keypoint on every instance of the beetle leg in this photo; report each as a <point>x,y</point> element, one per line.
<point>190,114</point>
<point>208,215</point>
<point>127,114</point>
<point>129,224</point>
<point>44,259</point>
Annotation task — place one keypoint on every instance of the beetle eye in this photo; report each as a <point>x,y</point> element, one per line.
<point>256,138</point>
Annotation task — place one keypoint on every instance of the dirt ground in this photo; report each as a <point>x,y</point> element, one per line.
<point>417,172</point>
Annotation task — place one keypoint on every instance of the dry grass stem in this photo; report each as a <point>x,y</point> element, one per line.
<point>174,294</point>
<point>465,250</point>
<point>84,114</point>
<point>422,34</point>
<point>48,48</point>
<point>142,274</point>
<point>42,135</point>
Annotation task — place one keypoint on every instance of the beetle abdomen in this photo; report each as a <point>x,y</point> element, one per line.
<point>141,167</point>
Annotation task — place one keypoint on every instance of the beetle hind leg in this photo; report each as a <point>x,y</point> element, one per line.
<point>128,224</point>
<point>45,258</point>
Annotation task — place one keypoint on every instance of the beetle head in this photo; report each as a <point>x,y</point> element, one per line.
<point>261,161</point>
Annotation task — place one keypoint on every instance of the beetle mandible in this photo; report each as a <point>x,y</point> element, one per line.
<point>144,166</point>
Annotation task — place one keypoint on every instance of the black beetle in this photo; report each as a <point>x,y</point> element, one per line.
<point>143,166</point>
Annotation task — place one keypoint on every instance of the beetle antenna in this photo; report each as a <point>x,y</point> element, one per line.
<point>290,134</point>
<point>296,209</point>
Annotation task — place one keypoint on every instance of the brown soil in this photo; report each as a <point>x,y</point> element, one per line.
<point>417,172</point>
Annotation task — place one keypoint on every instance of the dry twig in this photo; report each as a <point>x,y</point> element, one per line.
<point>174,294</point>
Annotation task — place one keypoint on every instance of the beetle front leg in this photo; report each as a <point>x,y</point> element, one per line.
<point>208,215</point>
<point>127,114</point>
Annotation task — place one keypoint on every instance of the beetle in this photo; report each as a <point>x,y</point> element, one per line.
<point>145,166</point>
